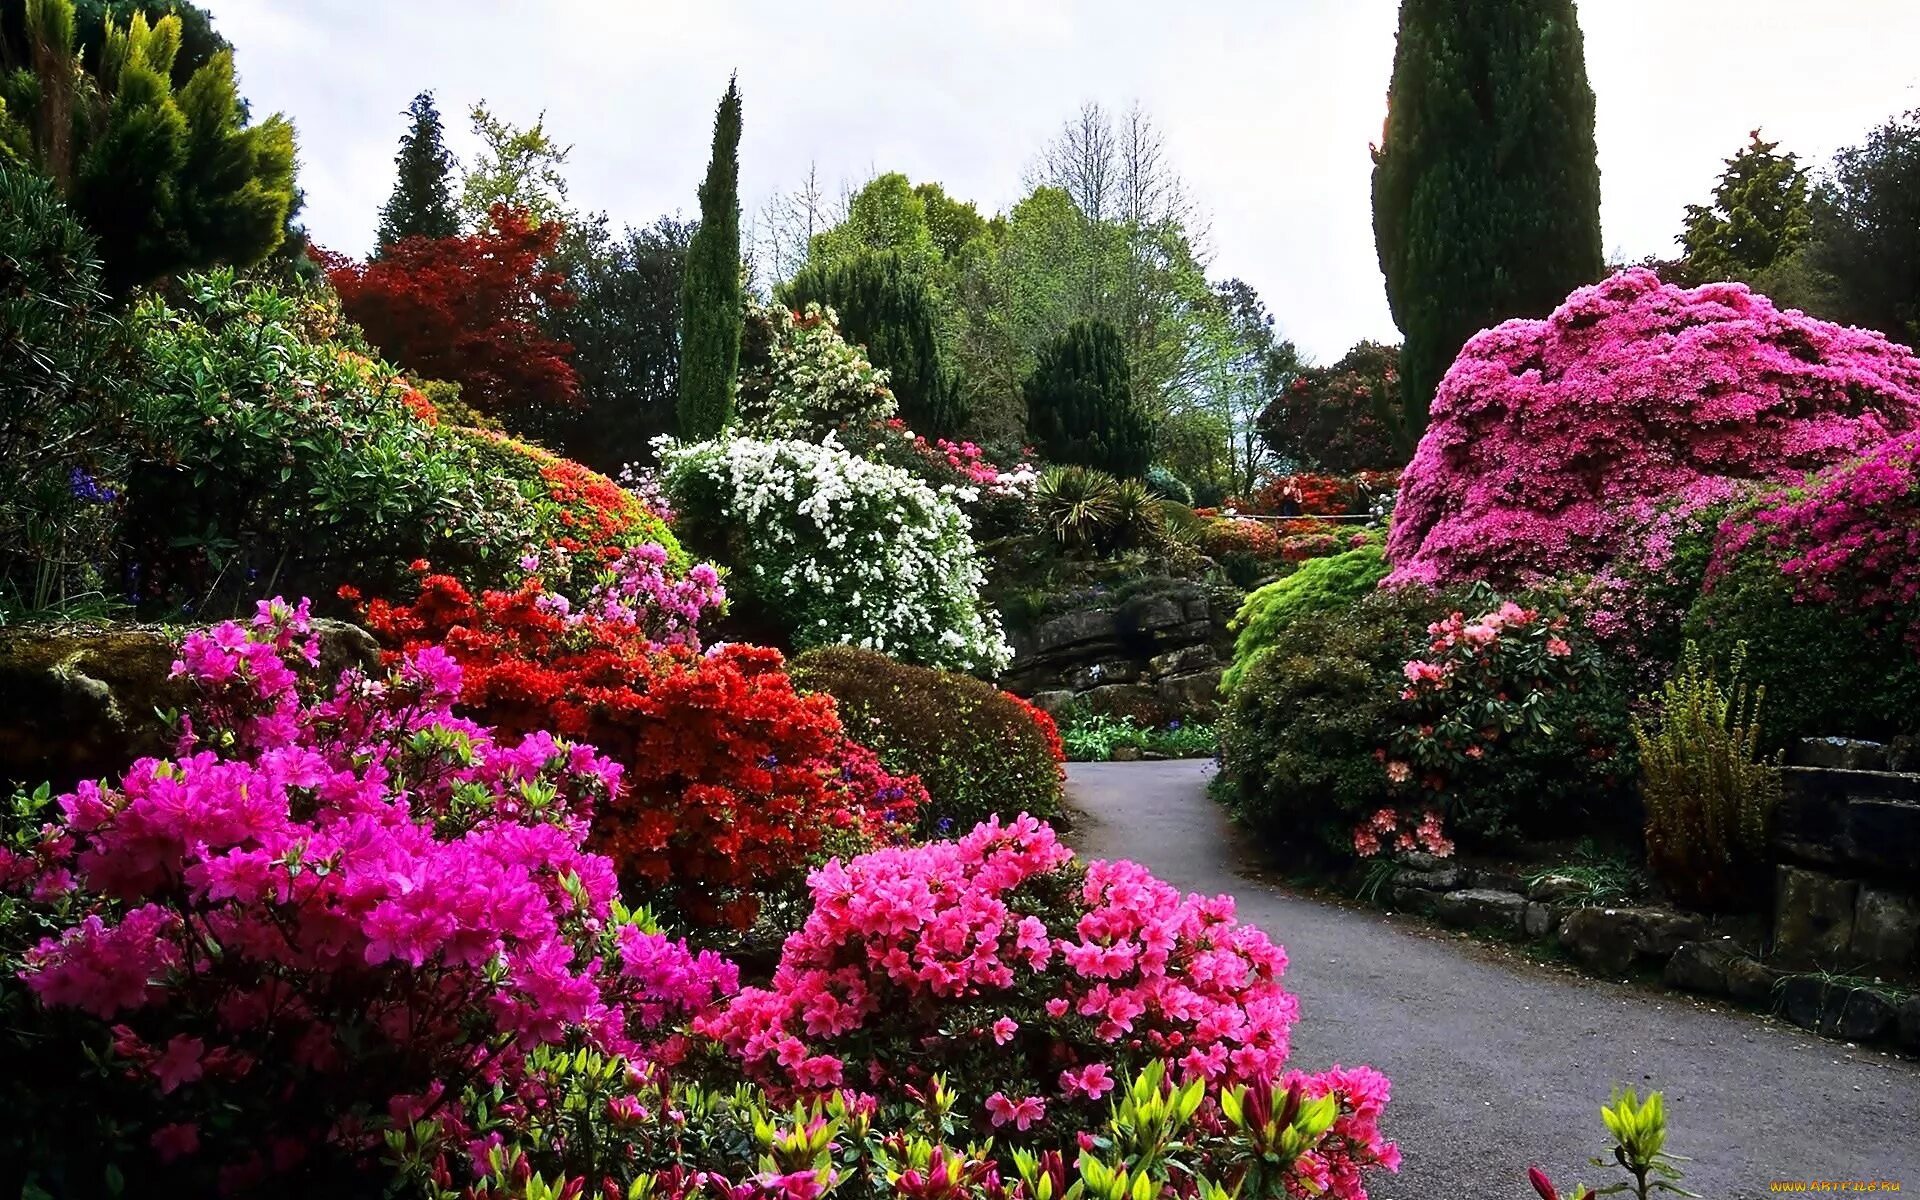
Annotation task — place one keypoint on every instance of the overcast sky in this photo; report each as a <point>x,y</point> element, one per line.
<point>1268,106</point>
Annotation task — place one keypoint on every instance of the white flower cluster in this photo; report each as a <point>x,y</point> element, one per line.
<point>845,550</point>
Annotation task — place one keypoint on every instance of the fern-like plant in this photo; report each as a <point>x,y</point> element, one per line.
<point>1710,795</point>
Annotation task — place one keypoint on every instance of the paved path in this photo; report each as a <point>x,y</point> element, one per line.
<point>1496,1062</point>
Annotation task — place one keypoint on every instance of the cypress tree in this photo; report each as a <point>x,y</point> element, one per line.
<point>886,307</point>
<point>711,312</point>
<point>1080,403</point>
<point>1486,191</point>
<point>422,200</point>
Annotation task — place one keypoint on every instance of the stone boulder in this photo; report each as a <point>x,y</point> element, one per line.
<point>1482,908</point>
<point>83,701</point>
<point>1813,916</point>
<point>1611,940</point>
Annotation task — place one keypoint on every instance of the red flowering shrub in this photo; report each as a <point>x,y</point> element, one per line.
<point>324,917</point>
<point>997,962</point>
<point>1330,417</point>
<point>466,309</point>
<point>1239,536</point>
<point>1307,494</point>
<point>1545,432</point>
<point>733,782</point>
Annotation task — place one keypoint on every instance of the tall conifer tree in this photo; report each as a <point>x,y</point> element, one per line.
<point>1759,215</point>
<point>1486,192</point>
<point>422,200</point>
<point>711,312</point>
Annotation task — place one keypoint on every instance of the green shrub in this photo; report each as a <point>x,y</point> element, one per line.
<point>63,378</point>
<point>1301,740</point>
<point>1168,486</point>
<point>1320,585</point>
<point>1094,736</point>
<point>978,750</point>
<point>800,378</point>
<point>274,458</point>
<point>1831,672</point>
<point>1709,793</point>
<point>1089,510</point>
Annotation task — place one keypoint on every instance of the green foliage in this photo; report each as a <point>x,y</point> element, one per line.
<point>1080,403</point>
<point>63,384</point>
<point>1320,585</point>
<point>422,200</point>
<point>1866,230</point>
<point>1595,877</point>
<point>887,309</point>
<point>1486,191</point>
<point>1089,511</point>
<point>1301,736</point>
<point>1758,217</point>
<point>271,458</point>
<point>1094,736</point>
<point>1708,792</point>
<point>520,168</point>
<point>1831,672</point>
<point>1168,486</point>
<point>167,174</point>
<point>800,378</point>
<point>977,750</point>
<point>624,327</point>
<point>711,299</point>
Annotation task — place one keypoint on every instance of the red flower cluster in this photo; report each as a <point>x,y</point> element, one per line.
<point>1312,495</point>
<point>466,309</point>
<point>1223,536</point>
<point>733,781</point>
<point>1049,731</point>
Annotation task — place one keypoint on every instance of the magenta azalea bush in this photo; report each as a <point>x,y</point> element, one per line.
<point>329,913</point>
<point>1545,433</point>
<point>994,963</point>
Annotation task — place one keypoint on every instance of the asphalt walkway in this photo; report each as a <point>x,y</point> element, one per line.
<point>1497,1062</point>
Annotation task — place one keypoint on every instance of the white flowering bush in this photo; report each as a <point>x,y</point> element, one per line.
<point>800,379</point>
<point>838,549</point>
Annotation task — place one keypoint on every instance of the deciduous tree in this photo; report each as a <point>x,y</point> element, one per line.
<point>468,309</point>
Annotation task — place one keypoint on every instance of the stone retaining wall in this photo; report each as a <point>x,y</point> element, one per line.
<point>1157,656</point>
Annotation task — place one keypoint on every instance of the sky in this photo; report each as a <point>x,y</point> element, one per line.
<point>1269,107</point>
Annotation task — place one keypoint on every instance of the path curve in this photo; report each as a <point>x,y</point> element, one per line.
<point>1498,1063</point>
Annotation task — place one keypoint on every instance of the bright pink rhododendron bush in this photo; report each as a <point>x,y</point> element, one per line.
<point>1545,433</point>
<point>997,964</point>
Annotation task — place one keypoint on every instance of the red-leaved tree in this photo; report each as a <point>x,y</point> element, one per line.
<point>467,309</point>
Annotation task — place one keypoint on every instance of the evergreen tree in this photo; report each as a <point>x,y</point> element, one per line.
<point>1486,193</point>
<point>422,200</point>
<point>168,175</point>
<point>1866,230</point>
<point>1759,215</point>
<point>885,305</point>
<point>711,312</point>
<point>1080,403</point>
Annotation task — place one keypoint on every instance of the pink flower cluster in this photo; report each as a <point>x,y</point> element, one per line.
<point>637,591</point>
<point>359,896</point>
<point>1851,536</point>
<point>1388,828</point>
<point>1641,595</point>
<point>1545,432</point>
<point>905,942</point>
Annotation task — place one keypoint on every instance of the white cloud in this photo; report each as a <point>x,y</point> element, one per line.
<point>1269,105</point>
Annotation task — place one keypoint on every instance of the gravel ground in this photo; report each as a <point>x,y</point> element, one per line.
<point>1497,1062</point>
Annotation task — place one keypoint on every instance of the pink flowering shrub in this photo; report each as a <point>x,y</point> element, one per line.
<point>327,914</point>
<point>995,962</point>
<point>1509,721</point>
<point>1822,581</point>
<point>1636,604</point>
<point>1544,434</point>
